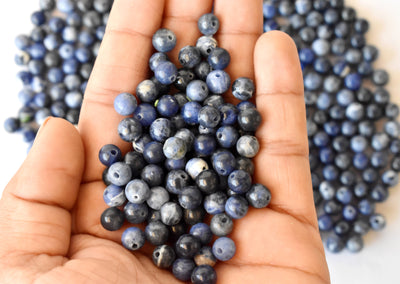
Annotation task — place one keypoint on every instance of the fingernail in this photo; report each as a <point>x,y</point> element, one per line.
<point>42,126</point>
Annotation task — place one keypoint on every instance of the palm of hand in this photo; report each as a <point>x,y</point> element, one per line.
<point>50,210</point>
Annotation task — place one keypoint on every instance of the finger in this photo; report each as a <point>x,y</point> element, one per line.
<point>181,17</point>
<point>34,214</point>
<point>282,163</point>
<point>121,64</point>
<point>241,25</point>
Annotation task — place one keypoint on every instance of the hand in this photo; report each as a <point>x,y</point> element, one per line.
<point>50,210</point>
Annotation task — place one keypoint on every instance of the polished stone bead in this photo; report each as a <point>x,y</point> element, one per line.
<point>174,148</point>
<point>208,24</point>
<point>125,104</point>
<point>195,166</point>
<point>182,268</point>
<point>153,175</point>
<point>189,56</point>
<point>171,213</point>
<point>119,173</point>
<point>209,116</point>
<point>218,81</point>
<point>207,181</point>
<point>224,248</point>
<point>164,40</point>
<point>187,246</point>
<point>236,206</point>
<point>133,238</point>
<point>202,231</point>
<point>194,216</point>
<point>114,196</point>
<point>136,213</point>
<point>229,114</point>
<point>166,72</point>
<point>221,224</point>
<point>137,191</point>
<point>176,180</point>
<point>204,274</point>
<point>355,244</point>
<point>258,196</point>
<point>247,146</point>
<point>190,197</point>
<point>129,129</point>
<point>249,119</point>
<point>204,145</point>
<point>205,256</point>
<point>334,244</point>
<point>206,44</point>
<point>112,219</point>
<point>156,233</point>
<point>163,256</point>
<point>224,162</point>
<point>190,112</point>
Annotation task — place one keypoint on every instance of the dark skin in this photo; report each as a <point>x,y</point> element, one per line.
<point>49,212</point>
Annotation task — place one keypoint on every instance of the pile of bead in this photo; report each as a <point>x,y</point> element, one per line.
<point>191,158</point>
<point>56,60</point>
<point>352,125</point>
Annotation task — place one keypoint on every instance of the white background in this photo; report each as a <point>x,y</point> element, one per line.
<point>377,263</point>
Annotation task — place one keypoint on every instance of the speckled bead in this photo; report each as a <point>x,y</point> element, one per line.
<point>218,81</point>
<point>203,274</point>
<point>194,216</point>
<point>129,129</point>
<point>247,146</point>
<point>221,224</point>
<point>190,197</point>
<point>114,196</point>
<point>171,213</point>
<point>258,196</point>
<point>136,213</point>
<point>164,40</point>
<point>163,256</point>
<point>208,24</point>
<point>224,162</point>
<point>207,181</point>
<point>239,181</point>
<point>206,44</point>
<point>205,256</point>
<point>133,238</point>
<point>224,248</point>
<point>189,56</point>
<point>156,233</point>
<point>112,219</point>
<point>119,173</point>
<point>153,175</point>
<point>182,268</point>
<point>187,246</point>
<point>195,166</point>
<point>236,206</point>
<point>109,154</point>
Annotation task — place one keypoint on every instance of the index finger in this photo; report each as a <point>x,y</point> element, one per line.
<point>121,64</point>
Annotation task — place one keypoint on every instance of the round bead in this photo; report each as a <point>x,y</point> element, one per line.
<point>218,81</point>
<point>112,219</point>
<point>133,238</point>
<point>203,274</point>
<point>164,40</point>
<point>156,233</point>
<point>208,24</point>
<point>224,248</point>
<point>202,231</point>
<point>221,224</point>
<point>158,197</point>
<point>171,213</point>
<point>247,146</point>
<point>137,191</point>
<point>187,246</point>
<point>205,256</point>
<point>163,256</point>
<point>114,196</point>
<point>258,196</point>
<point>136,213</point>
<point>236,206</point>
<point>182,268</point>
<point>119,174</point>
<point>129,129</point>
<point>195,166</point>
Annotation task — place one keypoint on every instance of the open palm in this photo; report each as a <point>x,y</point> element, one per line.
<point>49,213</point>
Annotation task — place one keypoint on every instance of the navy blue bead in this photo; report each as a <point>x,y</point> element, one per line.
<point>377,222</point>
<point>164,40</point>
<point>224,248</point>
<point>270,25</point>
<point>187,246</point>
<point>167,106</point>
<point>349,212</point>
<point>239,181</point>
<point>153,152</point>
<point>218,81</point>
<point>325,223</point>
<point>153,175</point>
<point>203,274</point>
<point>112,219</point>
<point>136,213</point>
<point>227,136</point>
<point>208,24</point>
<point>70,66</point>
<point>129,129</point>
<point>312,81</point>
<point>166,72</point>
<point>203,232</point>
<point>156,59</point>
<point>204,145</point>
<point>161,129</point>
<point>269,10</point>
<point>219,58</point>
<point>236,206</point>
<point>125,104</point>
<point>11,124</point>
<point>190,112</point>
<point>145,114</point>
<point>109,154</point>
<point>133,238</point>
<point>334,244</point>
<point>190,197</point>
<point>344,195</point>
<point>353,81</point>
<point>182,268</point>
<point>114,196</point>
<point>229,114</point>
<point>215,203</point>
<point>176,180</point>
<point>189,56</point>
<point>224,163</point>
<point>249,119</point>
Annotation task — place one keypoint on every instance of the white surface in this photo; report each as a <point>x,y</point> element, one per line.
<point>377,263</point>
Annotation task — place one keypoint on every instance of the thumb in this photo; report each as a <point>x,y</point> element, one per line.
<point>34,209</point>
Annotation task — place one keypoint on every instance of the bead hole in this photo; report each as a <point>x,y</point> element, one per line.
<point>157,254</point>
<point>116,175</point>
<point>219,250</point>
<point>113,152</point>
<point>223,220</point>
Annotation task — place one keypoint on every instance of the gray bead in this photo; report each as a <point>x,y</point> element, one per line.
<point>243,88</point>
<point>258,196</point>
<point>355,243</point>
<point>137,191</point>
<point>380,77</point>
<point>156,233</point>
<point>91,19</point>
<point>321,47</point>
<point>171,213</point>
<point>221,224</point>
<point>208,24</point>
<point>332,84</point>
<point>119,173</point>
<point>47,4</point>
<point>247,146</point>
<point>102,6</point>
<point>174,148</point>
<point>136,213</point>
<point>190,197</point>
<point>327,190</point>
<point>206,44</point>
<point>163,256</point>
<point>195,166</point>
<point>205,257</point>
<point>164,40</point>
<point>158,197</point>
<point>187,136</point>
<point>147,91</point>
<point>355,111</point>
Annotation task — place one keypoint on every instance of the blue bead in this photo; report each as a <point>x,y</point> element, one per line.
<point>361,227</point>
<point>344,195</point>
<point>219,58</point>
<point>114,196</point>
<point>136,213</point>
<point>58,109</point>
<point>125,104</point>
<point>229,114</point>
<point>38,18</point>
<point>379,193</point>
<point>326,155</point>
<point>83,54</point>
<point>22,42</point>
<point>190,112</point>
<point>377,222</point>
<point>37,51</point>
<point>353,81</point>
<point>390,178</point>
<point>208,24</point>
<point>197,90</point>
<point>204,274</point>
<point>227,136</point>
<point>270,25</point>
<point>327,190</point>
<point>224,163</point>
<point>133,238</point>
<point>218,81</point>
<point>153,175</point>
<point>119,173</point>
<point>56,24</point>
<point>109,154</point>
<point>325,223</point>
<point>258,196</point>
<point>366,207</point>
<point>164,40</point>
<point>66,6</point>
<point>157,234</point>
<point>334,244</point>
<point>239,181</point>
<point>354,244</point>
<point>224,248</point>
<point>145,113</point>
<point>204,145</point>
<point>182,268</point>
<point>161,129</point>
<point>70,34</point>
<point>236,206</point>
<point>130,129</point>
<point>322,65</point>
<point>26,96</point>
<point>55,75</point>
<point>25,77</point>
<point>215,203</point>
<point>332,128</point>
<point>153,152</point>
<point>203,232</point>
<point>74,19</point>
<point>167,106</point>
<point>112,219</point>
<point>209,116</point>
<point>269,10</point>
<point>158,197</point>
<point>349,212</point>
<point>312,81</point>
<point>330,172</point>
<point>190,197</point>
<point>189,56</point>
<point>66,51</point>
<point>358,143</point>
<point>11,124</point>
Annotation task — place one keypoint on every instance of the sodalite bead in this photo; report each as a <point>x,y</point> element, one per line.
<point>133,238</point>
<point>114,196</point>
<point>163,256</point>
<point>218,81</point>
<point>236,206</point>
<point>158,197</point>
<point>74,99</point>
<point>187,136</point>
<point>171,213</point>
<point>390,178</point>
<point>136,213</point>
<point>239,181</point>
<point>195,166</point>
<point>229,114</point>
<point>156,233</point>
<point>174,148</point>
<point>112,219</point>
<point>147,91</point>
<point>184,77</point>
<point>247,146</point>
<point>202,231</point>
<point>355,243</point>
<point>145,114</point>
<point>204,145</point>
<point>227,136</point>
<point>215,203</point>
<point>208,24</point>
<point>221,224</point>
<point>258,196</point>
<point>164,40</point>
<point>125,104</point>
<point>137,191</point>
<point>334,244</point>
<point>219,58</point>
<point>153,175</point>
<point>206,44</point>
<point>197,90</point>
<point>202,70</point>
<point>190,197</point>
<point>204,274</point>
<point>129,129</point>
<point>224,162</point>
<point>161,129</point>
<point>193,216</point>
<point>207,181</point>
<point>224,248</point>
<point>209,116</point>
<point>189,56</point>
<point>243,88</point>
<point>119,173</point>
<point>190,112</point>
<point>182,268</point>
<point>166,72</point>
<point>377,222</point>
<point>249,119</point>
<point>205,256</point>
